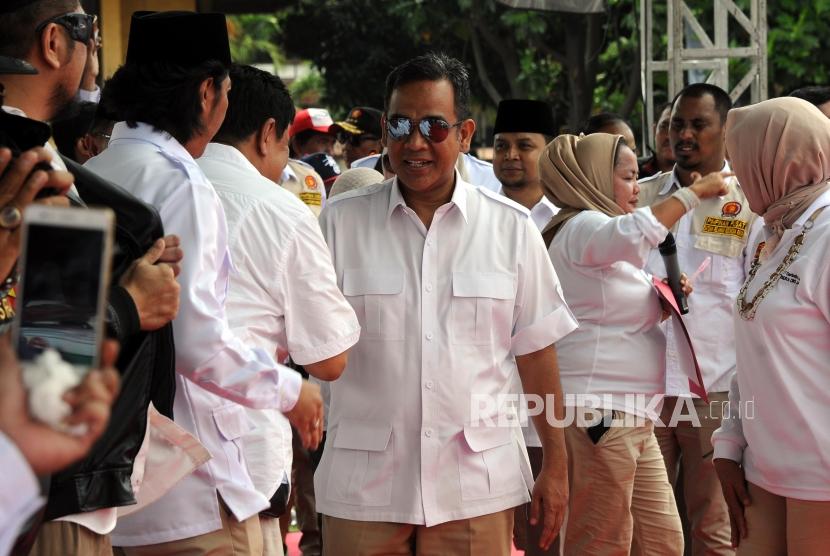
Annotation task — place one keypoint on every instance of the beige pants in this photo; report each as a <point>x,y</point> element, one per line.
<point>487,535</point>
<point>621,501</point>
<point>692,447</point>
<point>235,538</point>
<point>778,526</point>
<point>62,538</point>
<point>271,537</point>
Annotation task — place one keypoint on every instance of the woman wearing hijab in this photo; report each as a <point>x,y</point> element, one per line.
<point>773,454</point>
<point>599,242</point>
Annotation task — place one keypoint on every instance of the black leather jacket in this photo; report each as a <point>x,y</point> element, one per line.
<point>146,363</point>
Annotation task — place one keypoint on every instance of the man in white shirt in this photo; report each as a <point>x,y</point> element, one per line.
<point>284,295</point>
<point>522,129</point>
<point>449,282</point>
<point>171,95</point>
<point>711,248</point>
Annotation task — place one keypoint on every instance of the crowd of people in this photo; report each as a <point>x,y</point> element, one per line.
<point>420,351</point>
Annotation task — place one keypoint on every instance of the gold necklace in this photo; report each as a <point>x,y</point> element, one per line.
<point>747,310</point>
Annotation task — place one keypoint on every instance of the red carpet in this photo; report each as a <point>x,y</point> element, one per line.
<point>294,538</point>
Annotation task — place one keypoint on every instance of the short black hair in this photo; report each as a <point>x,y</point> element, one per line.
<point>254,97</point>
<point>67,131</point>
<point>162,94</point>
<point>597,122</point>
<point>814,94</point>
<point>17,28</point>
<point>434,66</point>
<point>723,104</point>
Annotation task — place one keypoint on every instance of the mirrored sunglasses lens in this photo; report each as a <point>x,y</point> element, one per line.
<point>399,128</point>
<point>436,130</point>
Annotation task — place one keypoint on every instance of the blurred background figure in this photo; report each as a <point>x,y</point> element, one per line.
<point>609,122</point>
<point>84,133</point>
<point>310,134</point>
<point>359,133</point>
<point>817,95</point>
<point>662,157</point>
<point>355,178</point>
<point>325,165</point>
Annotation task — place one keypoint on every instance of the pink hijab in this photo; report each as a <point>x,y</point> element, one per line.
<point>780,151</point>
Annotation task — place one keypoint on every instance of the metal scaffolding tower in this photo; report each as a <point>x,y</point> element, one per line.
<point>691,48</point>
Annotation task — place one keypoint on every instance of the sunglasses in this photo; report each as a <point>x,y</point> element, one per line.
<point>434,130</point>
<point>354,140</point>
<point>81,27</point>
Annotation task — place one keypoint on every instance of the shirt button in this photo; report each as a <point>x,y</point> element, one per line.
<point>428,433</point>
<point>429,243</point>
<point>429,287</point>
<point>429,335</point>
<point>429,384</point>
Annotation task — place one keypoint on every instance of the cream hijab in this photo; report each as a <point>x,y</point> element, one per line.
<point>578,174</point>
<point>780,151</point>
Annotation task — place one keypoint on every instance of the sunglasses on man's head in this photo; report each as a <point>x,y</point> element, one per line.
<point>433,129</point>
<point>81,27</point>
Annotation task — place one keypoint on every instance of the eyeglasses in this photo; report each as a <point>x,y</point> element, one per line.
<point>435,130</point>
<point>354,140</point>
<point>81,27</point>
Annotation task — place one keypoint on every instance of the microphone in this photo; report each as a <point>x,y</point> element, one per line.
<point>668,250</point>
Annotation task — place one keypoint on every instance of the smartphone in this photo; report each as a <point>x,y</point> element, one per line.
<point>64,277</point>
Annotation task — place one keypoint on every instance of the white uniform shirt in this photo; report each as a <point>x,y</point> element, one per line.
<point>211,361</point>
<point>780,397</point>
<point>443,311</point>
<point>709,321</point>
<point>19,493</point>
<point>284,297</point>
<point>541,213</point>
<point>479,172</point>
<point>619,348</point>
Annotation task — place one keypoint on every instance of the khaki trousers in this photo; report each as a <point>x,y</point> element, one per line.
<point>691,447</point>
<point>64,538</point>
<point>621,501</point>
<point>487,535</point>
<point>526,536</point>
<point>779,526</point>
<point>235,538</point>
<point>271,537</point>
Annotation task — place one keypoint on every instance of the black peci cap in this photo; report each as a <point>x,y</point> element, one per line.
<point>185,38</point>
<point>528,116</point>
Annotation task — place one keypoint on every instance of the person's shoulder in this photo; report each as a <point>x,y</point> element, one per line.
<point>500,202</point>
<point>657,180</point>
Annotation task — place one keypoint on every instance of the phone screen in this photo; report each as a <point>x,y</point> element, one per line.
<point>61,293</point>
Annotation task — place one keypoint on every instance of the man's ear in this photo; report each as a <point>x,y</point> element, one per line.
<point>54,46</point>
<point>207,95</point>
<point>266,134</point>
<point>466,131</point>
<point>85,147</point>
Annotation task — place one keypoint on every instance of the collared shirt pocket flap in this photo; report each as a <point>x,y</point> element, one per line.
<point>494,285</point>
<point>232,421</point>
<point>480,439</point>
<point>369,281</point>
<point>357,435</point>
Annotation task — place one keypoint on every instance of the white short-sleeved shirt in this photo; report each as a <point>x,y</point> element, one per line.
<point>780,397</point>
<point>284,296</point>
<point>443,311</point>
<point>19,493</point>
<point>619,348</point>
<point>215,369</point>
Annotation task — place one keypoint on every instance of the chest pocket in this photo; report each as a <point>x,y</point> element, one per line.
<point>474,298</point>
<point>376,295</point>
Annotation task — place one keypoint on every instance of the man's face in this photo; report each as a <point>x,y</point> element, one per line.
<point>216,114</point>
<point>71,71</point>
<point>420,164</point>
<point>696,133</point>
<point>516,158</point>
<point>318,143</point>
<point>662,142</point>
<point>358,146</point>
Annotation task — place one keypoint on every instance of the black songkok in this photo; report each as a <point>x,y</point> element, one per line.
<point>525,116</point>
<point>184,38</point>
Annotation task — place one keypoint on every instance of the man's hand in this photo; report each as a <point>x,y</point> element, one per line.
<point>153,287</point>
<point>173,253</point>
<point>18,187</point>
<point>307,415</point>
<point>549,502</point>
<point>46,449</point>
<point>92,67</point>
<point>733,485</point>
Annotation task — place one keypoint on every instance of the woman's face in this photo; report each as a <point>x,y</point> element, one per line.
<point>626,189</point>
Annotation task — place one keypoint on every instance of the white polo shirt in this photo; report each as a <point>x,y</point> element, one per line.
<point>619,348</point>
<point>215,369</point>
<point>780,396</point>
<point>284,296</point>
<point>443,311</point>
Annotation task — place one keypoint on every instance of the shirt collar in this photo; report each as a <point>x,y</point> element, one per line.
<point>459,196</point>
<point>674,180</point>
<point>821,201</point>
<point>14,111</point>
<point>147,134</point>
<point>288,174</point>
<point>229,154</point>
